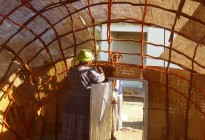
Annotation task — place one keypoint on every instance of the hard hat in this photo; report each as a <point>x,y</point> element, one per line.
<point>85,56</point>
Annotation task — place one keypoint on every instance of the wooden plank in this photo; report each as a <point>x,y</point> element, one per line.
<point>100,111</point>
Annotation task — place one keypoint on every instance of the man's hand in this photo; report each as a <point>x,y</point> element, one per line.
<point>114,101</point>
<point>100,69</point>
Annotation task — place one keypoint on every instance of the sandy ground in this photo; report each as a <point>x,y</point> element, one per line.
<point>132,119</point>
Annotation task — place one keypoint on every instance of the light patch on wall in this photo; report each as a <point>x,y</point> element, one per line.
<point>17,81</point>
<point>4,104</point>
<point>40,95</point>
<point>5,129</point>
<point>4,100</point>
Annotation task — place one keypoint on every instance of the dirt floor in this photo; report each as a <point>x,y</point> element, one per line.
<point>132,119</point>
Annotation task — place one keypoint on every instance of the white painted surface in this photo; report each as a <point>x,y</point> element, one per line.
<point>156,36</point>
<point>129,31</point>
<point>127,47</point>
<point>122,31</point>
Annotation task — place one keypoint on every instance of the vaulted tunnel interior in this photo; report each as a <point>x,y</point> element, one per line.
<point>39,38</point>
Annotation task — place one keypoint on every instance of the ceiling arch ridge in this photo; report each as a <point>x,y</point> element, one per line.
<point>35,11</point>
<point>51,25</point>
<point>170,10</point>
<point>85,28</point>
<point>73,29</point>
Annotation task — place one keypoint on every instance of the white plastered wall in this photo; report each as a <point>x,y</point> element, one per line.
<point>153,35</point>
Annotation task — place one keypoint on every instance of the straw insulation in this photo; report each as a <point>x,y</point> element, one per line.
<point>39,38</point>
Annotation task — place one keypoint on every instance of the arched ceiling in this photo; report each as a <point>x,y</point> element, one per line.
<point>37,34</point>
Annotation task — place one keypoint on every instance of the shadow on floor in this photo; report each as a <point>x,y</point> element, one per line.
<point>133,125</point>
<point>131,99</point>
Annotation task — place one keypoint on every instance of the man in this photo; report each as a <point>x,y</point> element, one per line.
<point>118,98</point>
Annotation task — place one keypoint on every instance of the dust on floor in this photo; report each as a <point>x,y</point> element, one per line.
<point>132,119</point>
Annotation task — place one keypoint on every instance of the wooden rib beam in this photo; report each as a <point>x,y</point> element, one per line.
<point>51,25</point>
<point>142,38</point>
<point>93,27</point>
<point>167,100</point>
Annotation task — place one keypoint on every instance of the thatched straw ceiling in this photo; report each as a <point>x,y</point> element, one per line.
<point>190,50</point>
<point>37,34</point>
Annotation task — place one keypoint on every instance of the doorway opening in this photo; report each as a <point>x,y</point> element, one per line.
<point>131,116</point>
